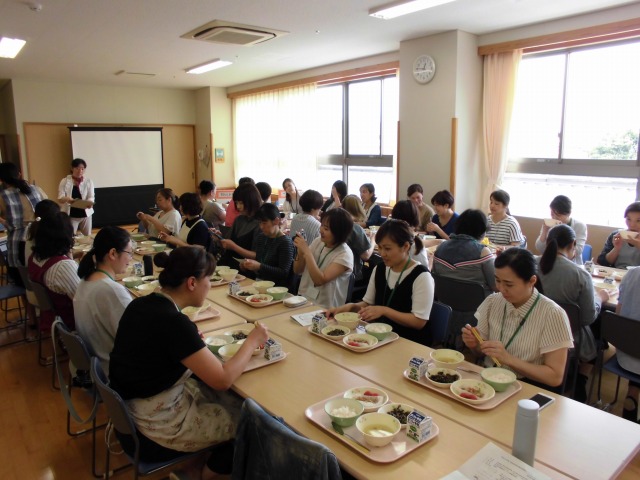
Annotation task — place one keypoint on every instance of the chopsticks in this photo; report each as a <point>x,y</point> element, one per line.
<point>476,334</point>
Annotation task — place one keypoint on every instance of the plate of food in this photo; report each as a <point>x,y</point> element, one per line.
<point>472,391</point>
<point>360,341</point>
<point>145,250</point>
<point>442,377</point>
<point>259,299</point>
<point>238,334</point>
<point>372,398</point>
<point>398,410</point>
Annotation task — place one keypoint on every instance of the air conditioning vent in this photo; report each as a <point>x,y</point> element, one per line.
<point>229,33</point>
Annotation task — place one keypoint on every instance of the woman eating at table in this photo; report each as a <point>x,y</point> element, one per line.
<point>271,256</point>
<point>292,197</point>
<point>406,210</point>
<point>443,222</point>
<point>327,263</point>
<point>100,300</point>
<point>619,252</point>
<point>565,282</point>
<point>503,229</point>
<point>173,384</point>
<point>338,192</point>
<point>246,226</point>
<point>194,230</point>
<point>358,240</point>
<point>372,210</point>
<point>51,266</point>
<point>522,329</point>
<point>463,256</point>
<point>310,203</point>
<point>560,208</point>
<point>415,193</point>
<point>399,293</point>
<point>167,219</point>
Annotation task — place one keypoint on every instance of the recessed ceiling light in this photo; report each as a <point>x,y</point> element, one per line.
<point>396,9</point>
<point>207,67</point>
<point>10,47</point>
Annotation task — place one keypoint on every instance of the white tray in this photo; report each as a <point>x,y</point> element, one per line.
<point>400,446</point>
<point>206,314</point>
<point>260,305</point>
<point>392,337</point>
<point>258,361</point>
<point>219,283</point>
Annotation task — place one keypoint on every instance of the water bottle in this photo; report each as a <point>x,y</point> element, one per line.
<point>147,261</point>
<point>526,431</point>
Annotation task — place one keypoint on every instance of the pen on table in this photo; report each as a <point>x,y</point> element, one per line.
<point>476,334</point>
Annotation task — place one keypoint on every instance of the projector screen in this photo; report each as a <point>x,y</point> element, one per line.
<point>119,157</point>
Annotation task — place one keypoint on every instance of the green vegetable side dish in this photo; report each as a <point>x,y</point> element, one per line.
<point>442,377</point>
<point>400,414</point>
<point>336,332</point>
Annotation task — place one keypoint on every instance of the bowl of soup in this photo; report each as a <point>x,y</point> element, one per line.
<point>447,358</point>
<point>348,319</point>
<point>378,429</point>
<point>228,351</point>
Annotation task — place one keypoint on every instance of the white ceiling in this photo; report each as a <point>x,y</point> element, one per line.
<point>88,41</point>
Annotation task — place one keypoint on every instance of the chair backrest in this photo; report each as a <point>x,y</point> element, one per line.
<point>460,295</point>
<point>622,332</point>
<point>116,408</point>
<point>573,312</point>
<point>79,352</point>
<point>586,253</point>
<point>42,296</point>
<point>438,323</point>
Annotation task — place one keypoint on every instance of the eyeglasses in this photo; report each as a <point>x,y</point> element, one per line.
<point>127,252</point>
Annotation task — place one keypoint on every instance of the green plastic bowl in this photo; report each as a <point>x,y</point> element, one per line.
<point>228,339</point>
<point>350,403</point>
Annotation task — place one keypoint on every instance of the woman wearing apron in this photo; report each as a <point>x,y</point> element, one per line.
<point>194,230</point>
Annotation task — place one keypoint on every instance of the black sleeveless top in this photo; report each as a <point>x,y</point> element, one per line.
<point>402,302</point>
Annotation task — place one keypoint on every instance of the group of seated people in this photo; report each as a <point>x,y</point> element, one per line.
<point>156,359</point>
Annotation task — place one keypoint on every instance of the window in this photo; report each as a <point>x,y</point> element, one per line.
<point>576,121</point>
<point>358,141</point>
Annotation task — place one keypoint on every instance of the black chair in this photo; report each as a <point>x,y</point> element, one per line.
<point>464,298</point>
<point>79,355</point>
<point>360,286</point>
<point>121,420</point>
<point>44,304</point>
<point>573,359</point>
<point>438,324</point>
<point>623,333</point>
<point>10,291</point>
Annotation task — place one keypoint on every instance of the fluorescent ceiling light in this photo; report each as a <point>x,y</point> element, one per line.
<point>10,47</point>
<point>404,7</point>
<point>207,67</point>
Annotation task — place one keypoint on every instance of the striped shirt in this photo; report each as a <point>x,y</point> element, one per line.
<point>505,232</point>
<point>546,329</point>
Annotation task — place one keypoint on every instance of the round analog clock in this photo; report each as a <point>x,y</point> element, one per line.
<point>424,69</point>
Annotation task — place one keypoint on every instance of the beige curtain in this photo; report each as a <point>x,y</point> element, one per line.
<point>500,74</point>
<point>275,135</point>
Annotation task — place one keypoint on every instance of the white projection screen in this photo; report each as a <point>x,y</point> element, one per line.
<point>120,157</point>
<point>125,165</point>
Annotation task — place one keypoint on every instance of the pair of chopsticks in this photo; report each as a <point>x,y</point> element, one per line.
<point>476,334</point>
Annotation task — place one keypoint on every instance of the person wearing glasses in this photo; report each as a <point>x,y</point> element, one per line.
<point>400,292</point>
<point>51,266</point>
<point>100,300</point>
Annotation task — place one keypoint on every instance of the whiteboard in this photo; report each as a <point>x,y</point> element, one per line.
<point>119,157</point>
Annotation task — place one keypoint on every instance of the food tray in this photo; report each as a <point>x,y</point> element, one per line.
<point>260,305</point>
<point>206,314</point>
<point>392,337</point>
<point>145,251</point>
<point>239,278</point>
<point>400,446</point>
<point>258,361</point>
<point>490,404</point>
<point>604,272</point>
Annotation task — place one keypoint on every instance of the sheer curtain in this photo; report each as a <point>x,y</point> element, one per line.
<point>275,135</point>
<point>500,73</point>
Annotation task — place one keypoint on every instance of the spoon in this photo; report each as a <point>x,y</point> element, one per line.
<point>339,430</point>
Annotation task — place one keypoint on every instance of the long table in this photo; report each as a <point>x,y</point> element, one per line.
<point>304,379</point>
<point>577,440</point>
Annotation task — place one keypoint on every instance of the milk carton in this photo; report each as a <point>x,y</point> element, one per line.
<point>318,322</point>
<point>273,350</point>
<point>418,426</point>
<point>233,288</point>
<point>417,368</point>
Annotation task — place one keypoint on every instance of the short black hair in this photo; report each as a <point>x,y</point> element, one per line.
<point>339,222</point>
<point>190,203</point>
<point>561,204</point>
<point>501,196</point>
<point>267,211</point>
<point>206,187</point>
<point>406,210</point>
<point>248,194</point>
<point>311,200</point>
<point>246,180</point>
<point>54,236</point>
<point>76,162</point>
<point>473,223</point>
<point>265,190</point>
<point>634,207</point>
<point>443,197</point>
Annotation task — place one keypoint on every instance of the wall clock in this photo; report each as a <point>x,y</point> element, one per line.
<point>424,69</point>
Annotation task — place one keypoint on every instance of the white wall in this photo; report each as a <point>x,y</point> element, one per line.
<point>37,101</point>
<point>221,126</point>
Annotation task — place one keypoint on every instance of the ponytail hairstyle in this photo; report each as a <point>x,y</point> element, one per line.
<point>183,263</point>
<point>167,193</point>
<point>107,238</point>
<point>10,175</point>
<point>44,208</point>
<point>560,236</point>
<point>400,233</point>
<point>406,210</point>
<point>502,197</point>
<point>371,189</point>
<point>522,262</point>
